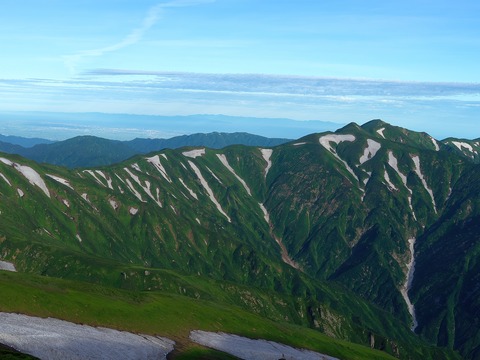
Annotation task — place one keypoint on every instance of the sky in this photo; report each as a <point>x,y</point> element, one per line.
<point>412,63</point>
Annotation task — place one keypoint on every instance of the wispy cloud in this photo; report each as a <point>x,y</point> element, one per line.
<point>342,88</point>
<point>151,18</point>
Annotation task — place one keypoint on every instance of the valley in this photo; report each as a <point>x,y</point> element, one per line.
<point>343,234</point>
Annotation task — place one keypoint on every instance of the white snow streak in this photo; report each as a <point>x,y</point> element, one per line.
<point>7,266</point>
<point>387,179</point>
<point>418,170</point>
<point>194,153</point>
<point>245,348</point>
<point>78,237</point>
<point>408,284</point>
<point>393,162</point>
<point>60,180</point>
<point>113,204</point>
<point>6,161</point>
<point>145,187</point>
<point>224,161</point>
<point>4,178</point>
<point>133,190</point>
<point>370,151</point>
<point>380,132</point>
<point>267,154</point>
<point>85,197</point>
<point>94,176</point>
<point>300,143</point>
<point>55,339</point>
<point>192,193</point>
<point>136,167</point>
<point>20,193</point>
<point>327,139</point>
<point>435,143</point>
<point>208,189</point>
<point>266,215</point>
<point>155,161</point>
<point>460,145</point>
<point>107,179</point>
<point>31,175</point>
<point>213,174</point>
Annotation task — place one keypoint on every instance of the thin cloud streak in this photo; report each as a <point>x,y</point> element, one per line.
<point>291,85</point>
<point>151,18</point>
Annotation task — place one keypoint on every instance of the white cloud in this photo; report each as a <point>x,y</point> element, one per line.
<point>135,36</point>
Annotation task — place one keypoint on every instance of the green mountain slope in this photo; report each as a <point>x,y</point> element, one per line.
<point>315,232</point>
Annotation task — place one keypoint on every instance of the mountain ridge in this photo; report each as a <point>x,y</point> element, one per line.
<point>341,205</point>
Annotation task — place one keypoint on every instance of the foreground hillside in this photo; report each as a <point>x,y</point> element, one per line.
<point>344,232</point>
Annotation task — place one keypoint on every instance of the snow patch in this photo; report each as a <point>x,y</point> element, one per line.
<point>4,178</point>
<point>460,145</point>
<point>60,180</point>
<point>85,197</point>
<point>31,175</point>
<point>194,153</point>
<point>94,176</point>
<point>393,162</point>
<point>7,266</point>
<point>208,189</point>
<point>224,161</point>
<point>155,161</point>
<point>113,204</point>
<point>20,193</point>
<point>370,151</point>
<point>387,179</point>
<point>198,221</point>
<point>408,283</point>
<point>192,193</point>
<point>66,203</point>
<point>300,143</point>
<point>435,143</point>
<point>78,237</point>
<point>418,171</point>
<point>380,132</point>
<point>136,167</point>
<point>245,348</point>
<point>107,179</point>
<point>55,339</point>
<point>267,154</point>
<point>133,211</point>
<point>6,161</point>
<point>145,187</point>
<point>266,215</point>
<point>327,139</point>
<point>213,174</point>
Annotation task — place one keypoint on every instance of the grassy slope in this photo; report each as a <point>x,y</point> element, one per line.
<point>158,313</point>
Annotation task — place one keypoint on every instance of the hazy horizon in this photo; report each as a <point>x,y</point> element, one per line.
<point>412,63</point>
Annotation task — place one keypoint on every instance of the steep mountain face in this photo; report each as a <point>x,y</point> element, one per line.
<point>339,226</point>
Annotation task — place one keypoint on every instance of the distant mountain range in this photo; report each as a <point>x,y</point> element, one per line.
<point>368,234</point>
<point>85,151</point>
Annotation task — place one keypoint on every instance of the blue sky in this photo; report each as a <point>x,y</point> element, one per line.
<point>411,63</point>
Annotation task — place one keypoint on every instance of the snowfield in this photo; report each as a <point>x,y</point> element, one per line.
<point>245,348</point>
<point>194,153</point>
<point>60,180</point>
<point>224,161</point>
<point>7,266</point>
<point>54,339</point>
<point>408,284</point>
<point>267,154</point>
<point>6,180</point>
<point>370,151</point>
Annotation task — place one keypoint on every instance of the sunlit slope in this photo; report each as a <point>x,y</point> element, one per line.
<point>325,219</point>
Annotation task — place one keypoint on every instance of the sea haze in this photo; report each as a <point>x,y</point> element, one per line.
<point>61,126</point>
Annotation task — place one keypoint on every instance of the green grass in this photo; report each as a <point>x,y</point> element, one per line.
<point>157,313</point>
